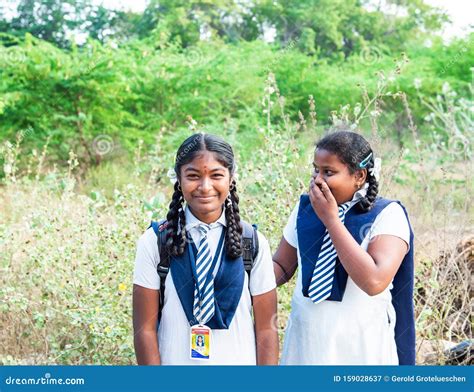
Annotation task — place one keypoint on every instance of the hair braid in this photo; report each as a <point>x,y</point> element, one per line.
<point>233,235</point>
<point>176,238</point>
<point>367,202</point>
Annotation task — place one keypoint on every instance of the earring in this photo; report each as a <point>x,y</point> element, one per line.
<point>179,188</point>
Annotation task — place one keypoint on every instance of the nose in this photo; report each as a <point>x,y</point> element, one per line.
<point>317,176</point>
<point>205,185</point>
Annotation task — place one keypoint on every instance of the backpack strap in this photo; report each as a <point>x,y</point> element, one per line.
<point>160,229</point>
<point>249,245</point>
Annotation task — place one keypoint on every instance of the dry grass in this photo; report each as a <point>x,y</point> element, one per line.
<point>66,256</point>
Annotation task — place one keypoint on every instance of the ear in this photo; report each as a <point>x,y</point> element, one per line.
<point>361,175</point>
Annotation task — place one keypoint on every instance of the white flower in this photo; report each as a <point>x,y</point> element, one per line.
<point>375,171</point>
<point>7,168</point>
<point>172,176</point>
<point>446,88</point>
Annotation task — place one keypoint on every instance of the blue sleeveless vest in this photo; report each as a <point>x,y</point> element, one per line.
<point>310,232</point>
<point>228,286</point>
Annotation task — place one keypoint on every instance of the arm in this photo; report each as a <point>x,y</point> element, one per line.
<point>285,262</point>
<point>266,335</point>
<point>145,317</point>
<point>373,270</point>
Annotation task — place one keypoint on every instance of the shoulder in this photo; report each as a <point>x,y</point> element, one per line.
<point>290,229</point>
<point>147,238</point>
<point>147,248</point>
<point>146,261</point>
<point>294,215</point>
<point>262,241</point>
<point>392,220</point>
<point>392,210</point>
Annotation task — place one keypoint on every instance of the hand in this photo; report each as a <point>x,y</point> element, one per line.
<point>323,202</point>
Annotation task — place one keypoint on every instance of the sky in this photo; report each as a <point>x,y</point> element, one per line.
<point>461,13</point>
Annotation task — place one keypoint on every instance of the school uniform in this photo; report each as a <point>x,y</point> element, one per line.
<point>233,336</point>
<point>350,327</point>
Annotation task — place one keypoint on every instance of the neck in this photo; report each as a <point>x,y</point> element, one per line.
<point>209,217</point>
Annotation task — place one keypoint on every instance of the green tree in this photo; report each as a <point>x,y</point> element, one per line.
<point>58,21</point>
<point>347,26</point>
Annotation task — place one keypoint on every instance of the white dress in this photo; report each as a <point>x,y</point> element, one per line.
<point>359,330</point>
<point>234,346</point>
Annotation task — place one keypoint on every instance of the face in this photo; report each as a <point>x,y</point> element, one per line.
<point>329,168</point>
<point>205,183</point>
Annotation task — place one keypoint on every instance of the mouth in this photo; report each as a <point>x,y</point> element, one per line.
<point>205,198</point>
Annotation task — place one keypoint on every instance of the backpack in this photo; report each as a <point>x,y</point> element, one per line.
<point>249,252</point>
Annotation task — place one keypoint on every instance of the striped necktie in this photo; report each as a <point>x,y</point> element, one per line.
<point>203,308</point>
<point>323,273</point>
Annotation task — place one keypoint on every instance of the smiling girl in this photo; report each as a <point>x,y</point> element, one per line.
<point>353,301</point>
<point>207,291</point>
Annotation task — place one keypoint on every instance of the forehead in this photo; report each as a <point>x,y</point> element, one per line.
<point>326,158</point>
<point>204,160</point>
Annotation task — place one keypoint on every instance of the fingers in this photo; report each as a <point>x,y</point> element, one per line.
<point>327,192</point>
<point>315,192</point>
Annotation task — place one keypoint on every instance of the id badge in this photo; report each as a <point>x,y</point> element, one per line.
<point>200,342</point>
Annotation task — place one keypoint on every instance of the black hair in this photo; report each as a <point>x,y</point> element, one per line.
<point>189,149</point>
<point>352,149</point>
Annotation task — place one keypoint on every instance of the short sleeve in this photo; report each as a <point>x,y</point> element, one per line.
<point>392,221</point>
<point>262,277</point>
<point>146,261</point>
<point>289,232</point>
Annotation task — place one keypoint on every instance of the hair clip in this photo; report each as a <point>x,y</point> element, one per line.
<point>375,171</point>
<point>365,162</point>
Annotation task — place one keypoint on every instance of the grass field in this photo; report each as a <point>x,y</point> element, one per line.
<point>67,236</point>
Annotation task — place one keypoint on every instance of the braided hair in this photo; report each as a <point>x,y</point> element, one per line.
<point>353,150</point>
<point>176,233</point>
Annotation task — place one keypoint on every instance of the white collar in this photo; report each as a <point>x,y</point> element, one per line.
<point>359,194</point>
<point>192,221</point>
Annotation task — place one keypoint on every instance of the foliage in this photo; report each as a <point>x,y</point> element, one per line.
<point>332,28</point>
<point>150,87</point>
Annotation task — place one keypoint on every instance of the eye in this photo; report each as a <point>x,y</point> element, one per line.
<point>192,176</point>
<point>218,175</point>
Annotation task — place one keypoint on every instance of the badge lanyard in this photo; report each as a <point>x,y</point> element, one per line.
<point>201,335</point>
